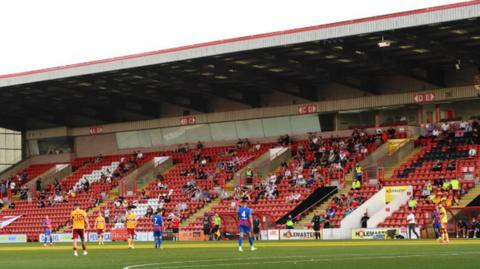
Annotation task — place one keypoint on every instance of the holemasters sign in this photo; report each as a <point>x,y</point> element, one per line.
<point>296,234</point>
<point>373,233</point>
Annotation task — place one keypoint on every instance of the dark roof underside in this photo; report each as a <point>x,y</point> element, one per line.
<point>424,53</point>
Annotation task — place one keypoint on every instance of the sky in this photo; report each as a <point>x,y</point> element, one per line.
<point>37,34</point>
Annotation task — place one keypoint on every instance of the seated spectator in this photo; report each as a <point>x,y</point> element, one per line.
<point>301,181</point>
<point>293,197</point>
<point>330,213</point>
<point>139,155</point>
<point>472,152</point>
<point>98,158</point>
<point>356,185</point>
<point>258,146</point>
<point>427,189</point>
<point>12,205</point>
<point>199,145</point>
<point>149,212</point>
<point>438,182</point>
<point>437,167</point>
<point>412,203</point>
<point>446,185</point>
<point>452,165</point>
<point>58,198</point>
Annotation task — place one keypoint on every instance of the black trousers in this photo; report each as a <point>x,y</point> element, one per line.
<point>411,227</point>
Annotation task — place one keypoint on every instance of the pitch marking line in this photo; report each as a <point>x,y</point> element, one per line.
<point>296,259</point>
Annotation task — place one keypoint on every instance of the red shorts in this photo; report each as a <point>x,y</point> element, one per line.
<point>100,231</point>
<point>78,233</point>
<point>131,232</point>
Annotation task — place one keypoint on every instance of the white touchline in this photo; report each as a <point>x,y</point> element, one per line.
<point>173,265</point>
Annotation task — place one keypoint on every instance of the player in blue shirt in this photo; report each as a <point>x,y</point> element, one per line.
<point>245,222</point>
<point>157,222</point>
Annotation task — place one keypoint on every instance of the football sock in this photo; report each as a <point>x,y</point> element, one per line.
<point>250,240</point>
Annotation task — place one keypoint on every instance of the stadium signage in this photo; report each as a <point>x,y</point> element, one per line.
<point>424,97</point>
<point>297,234</point>
<point>381,233</point>
<point>188,120</point>
<point>57,238</point>
<point>13,238</point>
<point>307,109</point>
<point>392,192</point>
<point>372,233</point>
<point>272,235</point>
<point>96,130</point>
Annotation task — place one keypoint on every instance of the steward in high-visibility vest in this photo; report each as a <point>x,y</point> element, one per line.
<point>356,185</point>
<point>289,223</point>
<point>358,172</point>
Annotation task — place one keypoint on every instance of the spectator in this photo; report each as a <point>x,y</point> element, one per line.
<point>412,224</point>
<point>472,152</point>
<point>364,220</point>
<point>289,223</point>
<point>462,229</point>
<point>316,222</point>
<point>294,197</point>
<point>330,213</point>
<point>106,214</point>
<point>149,211</point>
<point>437,166</point>
<point>412,203</point>
<point>38,184</point>
<point>356,185</point>
<point>358,172</point>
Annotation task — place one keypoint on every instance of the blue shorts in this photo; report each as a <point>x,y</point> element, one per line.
<point>47,232</point>
<point>157,233</point>
<point>437,226</point>
<point>244,229</point>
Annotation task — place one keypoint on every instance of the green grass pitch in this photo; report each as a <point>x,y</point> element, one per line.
<point>275,254</point>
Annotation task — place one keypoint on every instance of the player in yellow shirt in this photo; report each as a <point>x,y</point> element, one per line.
<point>100,227</point>
<point>131,220</point>
<point>444,223</point>
<point>79,219</point>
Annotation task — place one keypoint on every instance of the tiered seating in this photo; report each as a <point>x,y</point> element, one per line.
<point>59,213</point>
<point>431,165</point>
<point>307,164</point>
<point>176,180</point>
<point>30,173</point>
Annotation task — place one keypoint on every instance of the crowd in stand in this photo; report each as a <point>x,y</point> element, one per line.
<point>448,135</point>
<point>13,183</point>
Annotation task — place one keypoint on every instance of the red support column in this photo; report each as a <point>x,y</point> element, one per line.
<point>377,119</point>
<point>437,113</point>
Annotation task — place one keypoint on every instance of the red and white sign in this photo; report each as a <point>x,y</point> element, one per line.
<point>476,82</point>
<point>96,130</point>
<point>424,97</point>
<point>6,220</point>
<point>307,109</point>
<point>188,120</point>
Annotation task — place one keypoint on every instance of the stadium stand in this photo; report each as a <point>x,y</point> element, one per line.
<point>57,200</point>
<point>446,149</point>
<point>188,186</point>
<point>317,162</point>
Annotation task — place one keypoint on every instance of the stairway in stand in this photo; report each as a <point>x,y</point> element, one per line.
<point>322,207</point>
<point>471,195</point>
